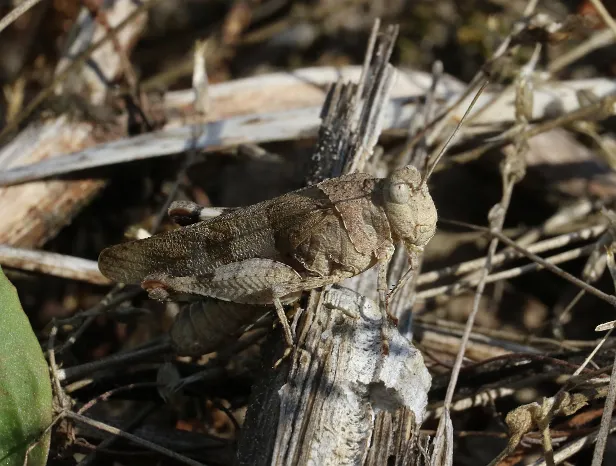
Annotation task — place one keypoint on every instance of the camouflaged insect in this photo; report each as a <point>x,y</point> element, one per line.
<point>268,253</point>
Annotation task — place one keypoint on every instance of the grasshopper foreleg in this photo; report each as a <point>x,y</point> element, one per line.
<point>414,253</point>
<point>286,329</point>
<point>282,317</point>
<point>382,287</point>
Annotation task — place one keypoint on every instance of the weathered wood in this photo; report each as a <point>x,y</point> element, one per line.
<point>290,124</point>
<point>325,409</point>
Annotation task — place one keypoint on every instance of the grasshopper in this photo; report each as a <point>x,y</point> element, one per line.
<point>270,252</point>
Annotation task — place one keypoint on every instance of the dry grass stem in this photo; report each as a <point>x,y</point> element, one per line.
<point>462,285</point>
<point>16,12</point>
<point>58,265</point>
<point>504,257</point>
<point>133,438</point>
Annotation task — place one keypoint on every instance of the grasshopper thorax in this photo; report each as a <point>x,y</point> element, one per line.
<point>409,207</point>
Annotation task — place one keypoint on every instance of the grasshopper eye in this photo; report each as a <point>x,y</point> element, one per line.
<point>399,193</point>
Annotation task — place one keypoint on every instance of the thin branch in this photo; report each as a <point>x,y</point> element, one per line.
<point>110,301</point>
<point>133,438</point>
<point>608,408</point>
<point>112,361</point>
<point>574,447</point>
<point>600,109</point>
<point>129,425</point>
<point>598,40</point>
<point>610,299</point>
<point>605,16</point>
<point>51,263</point>
<point>592,354</point>
<point>16,12</point>
<point>503,257</point>
<point>108,394</point>
<point>460,286</point>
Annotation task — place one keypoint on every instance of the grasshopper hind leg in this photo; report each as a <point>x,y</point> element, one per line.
<point>286,328</point>
<point>386,317</point>
<point>383,287</point>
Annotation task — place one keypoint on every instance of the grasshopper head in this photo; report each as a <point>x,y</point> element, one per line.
<point>409,207</point>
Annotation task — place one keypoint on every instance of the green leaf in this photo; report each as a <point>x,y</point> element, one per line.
<point>25,389</point>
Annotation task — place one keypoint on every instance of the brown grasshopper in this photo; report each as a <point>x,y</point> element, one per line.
<point>270,252</point>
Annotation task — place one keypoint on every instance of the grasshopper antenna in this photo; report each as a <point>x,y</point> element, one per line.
<point>450,140</point>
